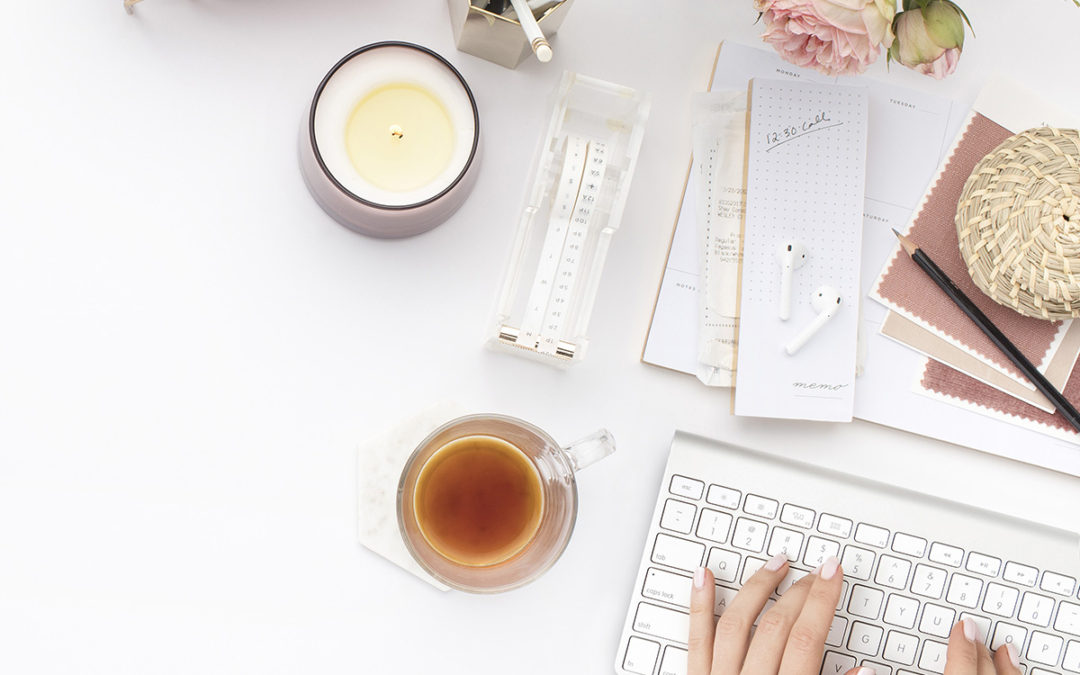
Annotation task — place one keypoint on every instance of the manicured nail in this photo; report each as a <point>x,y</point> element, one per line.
<point>971,631</point>
<point>828,568</point>
<point>1014,655</point>
<point>776,562</point>
<point>699,577</point>
<point>865,671</point>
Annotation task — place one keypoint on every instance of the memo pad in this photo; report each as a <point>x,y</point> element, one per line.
<point>806,174</point>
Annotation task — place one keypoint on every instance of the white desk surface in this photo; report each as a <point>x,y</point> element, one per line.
<point>190,350</point>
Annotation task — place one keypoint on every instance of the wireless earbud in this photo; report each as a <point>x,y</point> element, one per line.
<point>791,255</point>
<point>826,302</point>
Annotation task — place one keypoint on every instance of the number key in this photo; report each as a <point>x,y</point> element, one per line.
<point>749,535</point>
<point>858,562</point>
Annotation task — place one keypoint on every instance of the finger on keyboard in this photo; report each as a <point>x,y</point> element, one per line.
<point>1006,658</point>
<point>767,645</point>
<point>962,656</point>
<point>806,643</point>
<point>702,626</point>
<point>733,629</point>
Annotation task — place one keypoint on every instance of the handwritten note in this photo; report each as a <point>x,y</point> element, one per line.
<point>806,179</point>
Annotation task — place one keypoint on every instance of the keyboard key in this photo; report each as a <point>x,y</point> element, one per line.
<point>1071,662</point>
<point>818,550</point>
<point>946,555</point>
<point>724,564</point>
<point>933,656</point>
<point>1020,574</point>
<point>674,662</point>
<point>901,611</point>
<point>1036,609</point>
<point>928,582</point>
<point>640,655</point>
<point>1068,619</point>
<point>843,595</point>
<point>937,620</point>
<point>723,496</point>
<point>1045,648</point>
<point>837,664</point>
<point>835,526</point>
<point>761,506</point>
<point>901,648</point>
<point>1008,633</point>
<point>872,535</point>
<point>865,638</point>
<point>835,637</point>
<point>797,516</point>
<point>865,601</point>
<point>724,596</point>
<point>983,564</point>
<point>788,542</point>
<point>964,591</point>
<point>749,535</point>
<point>981,623</point>
<point>678,516</point>
<point>793,575</point>
<point>1000,600</point>
<point>909,545</point>
<point>857,562</point>
<point>892,572</point>
<point>686,487</point>
<point>668,587</point>
<point>714,525</point>
<point>675,552</point>
<point>750,568</point>
<point>669,624</point>
<point>1058,583</point>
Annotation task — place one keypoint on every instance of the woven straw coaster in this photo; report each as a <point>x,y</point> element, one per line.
<point>1018,221</point>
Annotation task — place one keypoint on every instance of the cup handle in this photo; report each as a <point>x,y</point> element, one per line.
<point>590,449</point>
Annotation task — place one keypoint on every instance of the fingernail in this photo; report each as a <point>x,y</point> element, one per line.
<point>1014,655</point>
<point>971,631</point>
<point>865,671</point>
<point>699,578</point>
<point>828,568</point>
<point>776,562</point>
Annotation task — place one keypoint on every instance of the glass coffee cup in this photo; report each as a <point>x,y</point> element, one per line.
<point>487,503</point>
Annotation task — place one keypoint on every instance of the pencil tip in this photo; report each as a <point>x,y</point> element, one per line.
<point>908,245</point>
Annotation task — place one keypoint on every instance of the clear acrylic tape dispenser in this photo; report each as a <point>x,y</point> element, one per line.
<point>581,178</point>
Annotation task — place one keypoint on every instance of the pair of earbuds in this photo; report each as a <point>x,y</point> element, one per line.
<point>825,300</point>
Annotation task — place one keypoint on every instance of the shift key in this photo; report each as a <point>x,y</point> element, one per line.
<point>668,624</point>
<point>680,553</point>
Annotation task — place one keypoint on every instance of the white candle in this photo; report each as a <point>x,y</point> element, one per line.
<point>392,141</point>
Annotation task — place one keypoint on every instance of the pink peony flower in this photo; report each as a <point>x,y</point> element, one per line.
<point>929,39</point>
<point>837,37</point>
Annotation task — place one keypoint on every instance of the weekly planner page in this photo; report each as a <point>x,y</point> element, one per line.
<point>806,175</point>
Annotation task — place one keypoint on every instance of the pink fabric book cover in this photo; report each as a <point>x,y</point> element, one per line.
<point>908,288</point>
<point>941,379</point>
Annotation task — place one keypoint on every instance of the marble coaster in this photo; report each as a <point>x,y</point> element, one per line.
<point>379,464</point>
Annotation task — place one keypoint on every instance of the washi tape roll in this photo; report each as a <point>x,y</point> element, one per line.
<point>1018,221</point>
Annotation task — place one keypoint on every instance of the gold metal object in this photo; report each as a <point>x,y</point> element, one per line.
<point>129,5</point>
<point>495,37</point>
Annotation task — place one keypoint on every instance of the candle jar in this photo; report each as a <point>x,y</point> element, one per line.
<point>497,38</point>
<point>390,146</point>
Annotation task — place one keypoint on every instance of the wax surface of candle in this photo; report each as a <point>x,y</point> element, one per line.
<point>399,137</point>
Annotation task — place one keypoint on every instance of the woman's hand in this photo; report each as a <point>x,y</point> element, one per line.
<point>790,638</point>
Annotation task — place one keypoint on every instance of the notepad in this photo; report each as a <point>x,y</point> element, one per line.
<point>806,178</point>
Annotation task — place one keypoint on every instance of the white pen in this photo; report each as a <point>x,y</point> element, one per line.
<point>533,34</point>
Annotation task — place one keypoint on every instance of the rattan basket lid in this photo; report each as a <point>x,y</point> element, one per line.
<point>1018,220</point>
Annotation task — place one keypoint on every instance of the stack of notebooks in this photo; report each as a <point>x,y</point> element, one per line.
<point>923,366</point>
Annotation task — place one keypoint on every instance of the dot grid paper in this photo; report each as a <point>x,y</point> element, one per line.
<point>805,182</point>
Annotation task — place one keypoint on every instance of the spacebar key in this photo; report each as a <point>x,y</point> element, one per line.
<point>662,622</point>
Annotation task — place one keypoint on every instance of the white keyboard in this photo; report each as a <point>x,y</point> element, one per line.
<point>913,564</point>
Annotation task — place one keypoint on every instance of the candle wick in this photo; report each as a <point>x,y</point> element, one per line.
<point>397,132</point>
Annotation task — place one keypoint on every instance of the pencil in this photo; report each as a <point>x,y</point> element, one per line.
<point>532,30</point>
<point>993,332</point>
